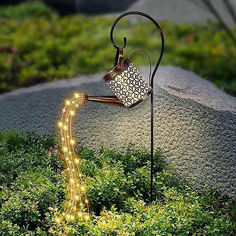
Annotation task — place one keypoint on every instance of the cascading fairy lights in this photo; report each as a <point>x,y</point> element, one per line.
<point>77,201</point>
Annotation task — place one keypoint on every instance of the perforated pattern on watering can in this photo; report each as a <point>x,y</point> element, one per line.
<point>128,84</point>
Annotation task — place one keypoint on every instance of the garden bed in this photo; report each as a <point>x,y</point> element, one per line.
<point>33,190</point>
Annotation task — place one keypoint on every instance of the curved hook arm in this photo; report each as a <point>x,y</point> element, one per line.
<point>125,41</point>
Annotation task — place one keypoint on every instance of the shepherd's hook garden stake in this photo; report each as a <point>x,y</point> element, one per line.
<point>151,83</point>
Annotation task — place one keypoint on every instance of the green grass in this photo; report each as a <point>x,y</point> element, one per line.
<point>37,46</point>
<point>33,190</point>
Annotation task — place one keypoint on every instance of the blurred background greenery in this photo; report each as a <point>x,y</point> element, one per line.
<point>37,45</point>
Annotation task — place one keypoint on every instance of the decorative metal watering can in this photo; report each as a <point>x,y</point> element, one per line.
<point>126,82</point>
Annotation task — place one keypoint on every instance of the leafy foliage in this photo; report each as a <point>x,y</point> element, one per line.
<point>26,10</point>
<point>33,184</point>
<point>49,47</point>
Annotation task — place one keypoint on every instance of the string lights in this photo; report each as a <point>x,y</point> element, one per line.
<point>77,202</point>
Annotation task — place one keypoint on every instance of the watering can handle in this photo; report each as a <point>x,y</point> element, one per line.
<point>149,59</point>
<point>119,57</point>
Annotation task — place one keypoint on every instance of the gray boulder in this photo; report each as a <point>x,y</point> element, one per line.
<point>185,11</point>
<point>195,122</point>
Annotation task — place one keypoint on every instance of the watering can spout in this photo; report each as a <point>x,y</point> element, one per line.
<point>110,100</point>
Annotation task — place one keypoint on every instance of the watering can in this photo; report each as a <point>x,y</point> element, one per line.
<point>126,82</point>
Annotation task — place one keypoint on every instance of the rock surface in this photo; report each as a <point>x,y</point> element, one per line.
<point>183,11</point>
<point>195,122</point>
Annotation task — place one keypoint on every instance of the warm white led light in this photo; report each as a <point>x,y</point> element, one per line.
<point>60,124</point>
<point>76,95</point>
<point>67,102</point>
<point>65,149</point>
<point>82,188</point>
<point>76,160</point>
<point>72,113</point>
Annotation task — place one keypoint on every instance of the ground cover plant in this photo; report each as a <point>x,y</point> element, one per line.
<point>37,45</point>
<point>33,191</point>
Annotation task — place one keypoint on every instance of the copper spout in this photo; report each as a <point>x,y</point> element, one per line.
<point>110,100</point>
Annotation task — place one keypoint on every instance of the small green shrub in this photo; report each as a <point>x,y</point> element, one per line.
<point>33,190</point>
<point>31,181</point>
<point>24,152</point>
<point>26,10</point>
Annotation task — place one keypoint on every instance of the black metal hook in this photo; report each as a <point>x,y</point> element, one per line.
<point>125,41</point>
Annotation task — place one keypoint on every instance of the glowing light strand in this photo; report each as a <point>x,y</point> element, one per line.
<point>76,190</point>
<point>74,177</point>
